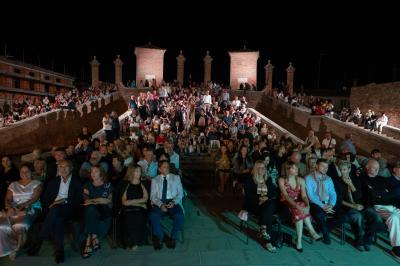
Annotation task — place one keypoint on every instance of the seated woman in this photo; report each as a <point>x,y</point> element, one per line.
<point>223,163</point>
<point>8,174</point>
<point>242,165</point>
<point>134,209</point>
<point>22,206</point>
<point>97,198</point>
<point>261,199</point>
<point>293,194</point>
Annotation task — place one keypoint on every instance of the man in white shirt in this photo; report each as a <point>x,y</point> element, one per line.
<point>328,141</point>
<point>166,198</point>
<point>207,101</point>
<point>61,202</point>
<point>381,122</point>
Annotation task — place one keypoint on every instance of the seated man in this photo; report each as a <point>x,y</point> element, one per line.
<point>166,198</point>
<point>380,198</point>
<point>393,184</point>
<point>350,203</point>
<point>61,201</point>
<point>322,195</point>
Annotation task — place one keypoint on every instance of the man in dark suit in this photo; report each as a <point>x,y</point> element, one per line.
<point>61,202</point>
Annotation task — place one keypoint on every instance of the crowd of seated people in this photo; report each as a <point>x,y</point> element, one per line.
<point>368,120</point>
<point>137,178</point>
<point>32,105</point>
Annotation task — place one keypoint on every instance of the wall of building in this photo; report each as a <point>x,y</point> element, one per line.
<point>149,62</point>
<point>243,65</point>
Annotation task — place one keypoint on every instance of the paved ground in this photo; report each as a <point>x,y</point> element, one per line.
<point>212,238</point>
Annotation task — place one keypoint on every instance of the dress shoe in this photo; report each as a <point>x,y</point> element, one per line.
<point>172,244</point>
<point>327,240</point>
<point>157,244</point>
<point>59,256</point>
<point>34,248</point>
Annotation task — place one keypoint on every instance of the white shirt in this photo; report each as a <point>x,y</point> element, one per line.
<point>64,188</point>
<point>207,99</point>
<point>106,123</point>
<point>236,103</point>
<point>174,189</point>
<point>325,143</point>
<point>225,96</point>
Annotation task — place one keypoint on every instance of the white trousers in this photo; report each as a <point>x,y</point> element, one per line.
<point>391,215</point>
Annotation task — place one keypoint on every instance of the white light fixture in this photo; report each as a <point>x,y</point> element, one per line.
<point>242,80</point>
<point>150,77</point>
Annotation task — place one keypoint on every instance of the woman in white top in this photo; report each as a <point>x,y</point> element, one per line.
<point>22,206</point>
<point>107,127</point>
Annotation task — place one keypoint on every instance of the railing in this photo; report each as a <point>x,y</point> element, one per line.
<point>279,130</point>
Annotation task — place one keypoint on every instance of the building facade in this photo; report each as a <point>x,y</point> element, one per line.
<point>19,80</point>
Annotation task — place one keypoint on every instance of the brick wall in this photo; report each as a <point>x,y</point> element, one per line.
<point>149,62</point>
<point>243,65</point>
<point>380,98</point>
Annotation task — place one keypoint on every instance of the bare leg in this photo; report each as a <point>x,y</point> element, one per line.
<point>307,222</point>
<point>299,232</point>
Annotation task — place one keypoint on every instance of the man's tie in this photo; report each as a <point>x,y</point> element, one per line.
<point>164,190</point>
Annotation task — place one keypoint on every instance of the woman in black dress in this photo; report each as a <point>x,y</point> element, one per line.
<point>261,199</point>
<point>134,209</point>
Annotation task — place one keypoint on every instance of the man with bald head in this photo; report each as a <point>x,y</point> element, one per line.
<point>295,158</point>
<point>380,198</point>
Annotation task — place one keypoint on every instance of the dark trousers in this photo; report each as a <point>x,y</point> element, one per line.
<point>156,215</point>
<point>94,222</point>
<point>53,224</point>
<point>109,135</point>
<point>323,223</point>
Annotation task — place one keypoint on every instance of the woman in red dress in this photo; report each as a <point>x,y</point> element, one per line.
<point>293,193</point>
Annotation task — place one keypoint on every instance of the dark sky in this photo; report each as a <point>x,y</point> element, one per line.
<point>344,41</point>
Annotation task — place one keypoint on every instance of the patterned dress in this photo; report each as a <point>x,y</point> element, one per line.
<point>295,194</point>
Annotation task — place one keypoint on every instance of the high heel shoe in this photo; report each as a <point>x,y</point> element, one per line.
<point>298,249</point>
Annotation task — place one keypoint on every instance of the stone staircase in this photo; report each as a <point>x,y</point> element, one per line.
<point>198,171</point>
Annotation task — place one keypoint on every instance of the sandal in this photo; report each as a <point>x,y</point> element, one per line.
<point>87,252</point>
<point>95,244</point>
<point>270,248</point>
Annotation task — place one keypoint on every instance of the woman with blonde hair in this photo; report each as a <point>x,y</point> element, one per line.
<point>134,209</point>
<point>261,199</point>
<point>293,194</point>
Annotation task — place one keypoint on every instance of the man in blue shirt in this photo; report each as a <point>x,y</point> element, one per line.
<point>322,195</point>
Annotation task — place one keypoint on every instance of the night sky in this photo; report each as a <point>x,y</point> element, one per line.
<point>345,42</point>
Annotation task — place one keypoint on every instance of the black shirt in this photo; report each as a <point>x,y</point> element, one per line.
<point>251,197</point>
<point>375,191</point>
<point>342,191</point>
